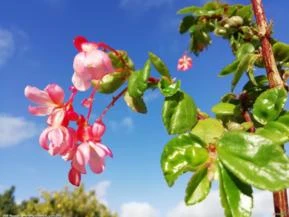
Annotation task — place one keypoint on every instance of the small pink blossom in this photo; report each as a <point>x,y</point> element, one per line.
<point>184,63</point>
<point>74,177</point>
<point>48,99</point>
<point>89,64</point>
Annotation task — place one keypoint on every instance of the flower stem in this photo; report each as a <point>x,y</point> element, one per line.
<point>275,80</point>
<point>111,104</point>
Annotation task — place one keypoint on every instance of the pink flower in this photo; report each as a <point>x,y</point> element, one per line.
<point>184,63</point>
<point>48,99</point>
<point>92,154</point>
<point>89,64</point>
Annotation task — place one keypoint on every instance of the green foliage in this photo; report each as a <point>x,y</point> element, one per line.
<point>198,187</point>
<point>236,196</point>
<point>76,203</point>
<point>7,202</point>
<point>281,52</point>
<point>135,103</point>
<point>269,105</point>
<point>179,113</point>
<point>254,160</point>
<point>169,88</point>
<point>182,154</point>
<point>159,65</point>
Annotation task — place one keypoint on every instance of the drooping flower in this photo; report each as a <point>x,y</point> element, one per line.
<point>90,63</point>
<point>46,100</point>
<point>185,63</point>
<point>90,151</point>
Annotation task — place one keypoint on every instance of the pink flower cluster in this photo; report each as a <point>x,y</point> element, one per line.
<point>185,63</point>
<point>81,146</point>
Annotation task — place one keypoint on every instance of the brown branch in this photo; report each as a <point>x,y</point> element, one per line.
<point>275,80</point>
<point>273,75</point>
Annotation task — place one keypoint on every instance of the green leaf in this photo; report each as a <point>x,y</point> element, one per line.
<point>209,130</point>
<point>277,131</point>
<point>118,63</point>
<point>245,12</point>
<point>255,160</point>
<point>159,65</point>
<point>188,10</point>
<point>229,68</point>
<point>198,187</point>
<point>182,154</point>
<point>110,82</point>
<point>224,109</point>
<point>246,64</point>
<point>244,49</point>
<point>236,196</point>
<point>168,88</point>
<point>135,103</point>
<point>137,83</point>
<point>281,52</point>
<point>179,113</point>
<point>186,23</point>
<point>269,105</point>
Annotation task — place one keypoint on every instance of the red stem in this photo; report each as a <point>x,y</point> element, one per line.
<point>275,80</point>
<point>111,104</point>
<point>91,97</point>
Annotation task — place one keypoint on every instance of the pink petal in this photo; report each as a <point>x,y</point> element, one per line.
<point>56,117</point>
<point>40,110</point>
<point>56,93</point>
<point>96,163</point>
<point>101,149</point>
<point>98,129</point>
<point>55,136</point>
<point>89,46</point>
<point>79,83</point>
<point>84,148</point>
<point>80,159</point>
<point>38,96</point>
<point>74,177</point>
<point>43,138</point>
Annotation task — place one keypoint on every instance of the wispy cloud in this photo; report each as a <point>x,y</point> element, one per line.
<point>125,124</point>
<point>144,4</point>
<point>7,45</point>
<point>101,189</point>
<point>151,96</point>
<point>138,209</point>
<point>15,130</point>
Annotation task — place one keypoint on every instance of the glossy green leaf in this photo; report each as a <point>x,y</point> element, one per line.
<point>182,154</point>
<point>159,65</point>
<point>209,130</point>
<point>179,113</point>
<point>255,160</point>
<point>110,82</point>
<point>245,48</point>
<point>223,108</point>
<point>277,131</point>
<point>200,39</point>
<point>188,10</point>
<point>281,51</point>
<point>168,88</point>
<point>186,23</point>
<point>269,105</point>
<point>229,68</point>
<point>137,83</point>
<point>135,103</point>
<point>198,187</point>
<point>236,196</point>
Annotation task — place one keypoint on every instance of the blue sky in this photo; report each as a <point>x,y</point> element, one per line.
<point>36,48</point>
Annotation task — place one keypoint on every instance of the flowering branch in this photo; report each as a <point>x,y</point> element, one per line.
<point>275,80</point>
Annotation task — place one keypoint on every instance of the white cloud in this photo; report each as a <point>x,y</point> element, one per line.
<point>7,45</point>
<point>144,4</point>
<point>263,206</point>
<point>14,130</point>
<point>101,189</point>
<point>125,123</point>
<point>138,209</point>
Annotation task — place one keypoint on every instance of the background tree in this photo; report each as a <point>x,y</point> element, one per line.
<point>7,202</point>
